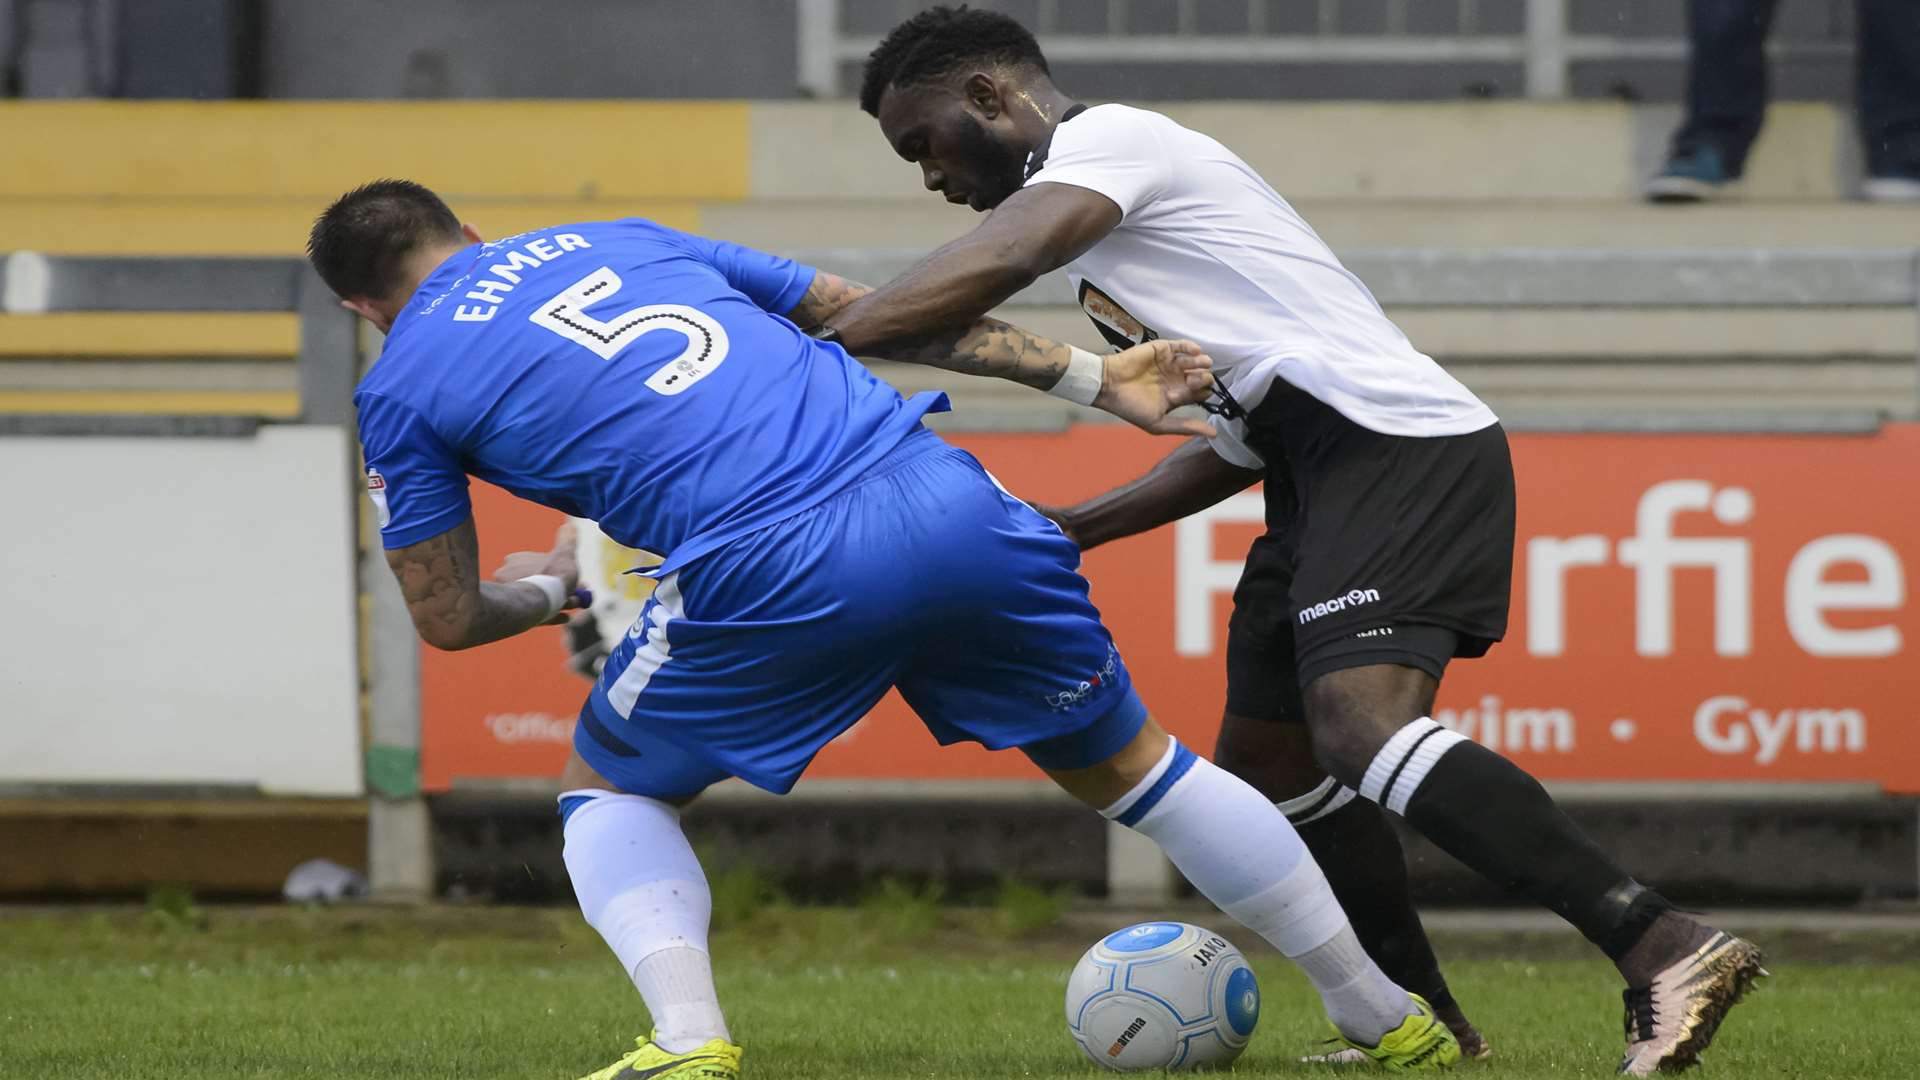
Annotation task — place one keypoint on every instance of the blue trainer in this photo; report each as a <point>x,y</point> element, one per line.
<point>1694,176</point>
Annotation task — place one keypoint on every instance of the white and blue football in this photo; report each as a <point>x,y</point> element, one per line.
<point>1162,995</point>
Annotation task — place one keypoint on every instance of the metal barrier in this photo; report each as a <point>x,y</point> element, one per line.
<point>1547,46</point>
<point>1538,277</point>
<point>31,283</point>
<point>36,284</point>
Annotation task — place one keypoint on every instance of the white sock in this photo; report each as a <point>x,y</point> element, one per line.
<point>641,887</point>
<point>1361,1001</point>
<point>1240,851</point>
<point>677,984</point>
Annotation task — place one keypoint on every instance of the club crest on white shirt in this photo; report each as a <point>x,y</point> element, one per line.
<point>1114,322</point>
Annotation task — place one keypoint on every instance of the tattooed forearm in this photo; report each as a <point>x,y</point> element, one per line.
<point>451,607</point>
<point>826,296</point>
<point>987,347</point>
<point>991,347</point>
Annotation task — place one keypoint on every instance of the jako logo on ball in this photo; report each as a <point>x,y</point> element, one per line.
<point>1162,995</point>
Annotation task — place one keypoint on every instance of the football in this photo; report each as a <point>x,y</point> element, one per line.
<point>1162,995</point>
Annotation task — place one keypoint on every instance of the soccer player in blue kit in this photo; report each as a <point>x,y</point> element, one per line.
<point>822,545</point>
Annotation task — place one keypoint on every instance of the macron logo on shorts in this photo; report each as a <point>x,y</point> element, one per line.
<point>1351,598</point>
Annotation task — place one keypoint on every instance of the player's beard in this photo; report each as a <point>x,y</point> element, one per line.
<point>1001,168</point>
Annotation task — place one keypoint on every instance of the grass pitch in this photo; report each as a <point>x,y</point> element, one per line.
<point>900,988</point>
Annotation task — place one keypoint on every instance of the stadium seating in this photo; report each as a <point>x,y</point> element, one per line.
<point>110,178</point>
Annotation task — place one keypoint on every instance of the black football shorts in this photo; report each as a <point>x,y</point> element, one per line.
<point>1380,549</point>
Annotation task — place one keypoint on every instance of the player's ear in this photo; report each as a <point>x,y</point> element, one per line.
<point>472,234</point>
<point>365,309</point>
<point>982,93</point>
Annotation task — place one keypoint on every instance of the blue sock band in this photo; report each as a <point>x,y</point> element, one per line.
<point>570,803</point>
<point>1183,760</point>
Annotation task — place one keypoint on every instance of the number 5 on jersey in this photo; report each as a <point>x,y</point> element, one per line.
<point>567,316</point>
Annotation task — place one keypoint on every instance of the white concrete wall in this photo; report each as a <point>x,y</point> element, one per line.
<point>179,611</point>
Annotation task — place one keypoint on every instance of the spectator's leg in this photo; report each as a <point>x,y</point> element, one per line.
<point>1727,77</point>
<point>1889,74</point>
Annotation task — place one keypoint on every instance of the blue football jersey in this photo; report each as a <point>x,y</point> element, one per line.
<point>625,372</point>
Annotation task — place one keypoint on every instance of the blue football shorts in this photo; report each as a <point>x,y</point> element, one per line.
<point>924,574</point>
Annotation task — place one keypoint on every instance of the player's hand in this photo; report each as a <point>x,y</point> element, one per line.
<point>587,651</point>
<point>561,562</point>
<point>1147,382</point>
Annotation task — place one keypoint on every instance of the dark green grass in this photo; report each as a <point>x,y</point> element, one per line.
<point>899,988</point>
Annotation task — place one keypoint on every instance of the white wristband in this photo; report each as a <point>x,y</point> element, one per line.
<point>555,589</point>
<point>1085,374</point>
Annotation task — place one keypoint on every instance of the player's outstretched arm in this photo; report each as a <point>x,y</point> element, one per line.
<point>982,347</point>
<point>453,609</point>
<point>1184,482</point>
<point>1035,230</point>
<point>1141,385</point>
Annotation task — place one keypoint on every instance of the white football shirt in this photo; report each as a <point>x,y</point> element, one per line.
<point>1206,250</point>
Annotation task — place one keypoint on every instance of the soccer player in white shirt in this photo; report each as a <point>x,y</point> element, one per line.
<point>1388,483</point>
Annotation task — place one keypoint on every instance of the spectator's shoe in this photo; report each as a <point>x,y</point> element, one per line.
<point>1692,177</point>
<point>1673,1018</point>
<point>716,1060</point>
<point>1891,188</point>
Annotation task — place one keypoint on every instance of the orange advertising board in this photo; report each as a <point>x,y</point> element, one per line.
<point>1685,607</point>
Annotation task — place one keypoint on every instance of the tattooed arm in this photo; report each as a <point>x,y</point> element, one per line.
<point>453,609</point>
<point>986,347</point>
<point>824,299</point>
<point>989,347</point>
<point>1141,385</point>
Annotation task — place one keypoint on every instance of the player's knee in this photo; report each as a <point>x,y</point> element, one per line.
<point>578,774</point>
<point>580,779</point>
<point>1102,784</point>
<point>1354,711</point>
<point>1342,753</point>
<point>1274,757</point>
<point>1348,725</point>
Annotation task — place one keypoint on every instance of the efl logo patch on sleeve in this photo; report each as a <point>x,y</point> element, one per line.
<point>377,491</point>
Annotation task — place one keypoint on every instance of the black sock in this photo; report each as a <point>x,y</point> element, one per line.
<point>1360,853</point>
<point>1487,812</point>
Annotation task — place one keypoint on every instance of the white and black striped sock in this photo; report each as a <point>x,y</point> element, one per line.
<point>1487,812</point>
<point>1402,765</point>
<point>1329,796</point>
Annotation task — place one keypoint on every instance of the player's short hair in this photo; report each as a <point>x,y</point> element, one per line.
<point>940,39</point>
<point>360,243</point>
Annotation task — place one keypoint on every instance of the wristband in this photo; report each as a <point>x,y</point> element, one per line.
<point>554,588</point>
<point>1085,374</point>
